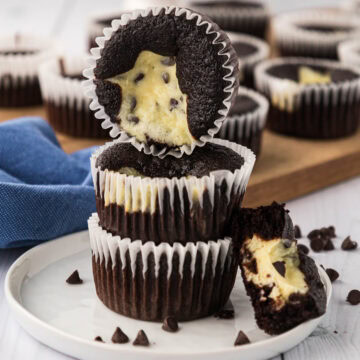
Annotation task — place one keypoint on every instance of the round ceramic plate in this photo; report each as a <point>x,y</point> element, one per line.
<point>68,317</point>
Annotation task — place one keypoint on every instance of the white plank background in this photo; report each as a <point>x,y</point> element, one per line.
<point>339,205</point>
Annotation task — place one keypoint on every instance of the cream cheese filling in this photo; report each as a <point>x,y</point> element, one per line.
<point>266,253</point>
<point>153,106</point>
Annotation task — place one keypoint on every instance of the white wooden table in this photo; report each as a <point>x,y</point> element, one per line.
<point>339,205</point>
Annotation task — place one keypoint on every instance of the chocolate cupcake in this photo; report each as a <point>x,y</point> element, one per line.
<point>251,52</point>
<point>184,64</point>
<point>66,105</point>
<point>181,200</point>
<point>20,56</point>
<point>349,52</point>
<point>246,120</point>
<point>283,283</point>
<point>314,33</point>
<point>243,16</point>
<point>310,98</point>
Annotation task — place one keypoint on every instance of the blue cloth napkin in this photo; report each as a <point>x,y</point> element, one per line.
<point>44,192</point>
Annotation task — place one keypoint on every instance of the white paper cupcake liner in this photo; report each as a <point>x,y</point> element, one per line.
<point>246,129</point>
<point>349,52</point>
<point>294,41</point>
<point>229,90</point>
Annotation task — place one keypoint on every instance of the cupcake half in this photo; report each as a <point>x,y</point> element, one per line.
<point>242,16</point>
<point>246,120</point>
<point>314,33</point>
<point>66,105</point>
<point>20,57</point>
<point>184,64</point>
<point>310,98</point>
<point>251,52</point>
<point>349,52</point>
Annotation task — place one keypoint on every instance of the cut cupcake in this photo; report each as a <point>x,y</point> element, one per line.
<point>310,98</point>
<point>284,284</point>
<point>174,87</point>
<point>246,120</point>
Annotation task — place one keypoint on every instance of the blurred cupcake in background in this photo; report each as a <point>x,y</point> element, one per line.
<point>66,105</point>
<point>244,16</point>
<point>349,52</point>
<point>246,121</point>
<point>250,51</point>
<point>20,57</point>
<point>314,33</point>
<point>310,98</point>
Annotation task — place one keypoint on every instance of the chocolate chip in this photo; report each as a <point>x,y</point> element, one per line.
<point>317,244</point>
<point>329,245</point>
<point>280,267</point>
<point>225,314</point>
<point>119,337</point>
<point>141,339</point>
<point>353,297</point>
<point>297,231</point>
<point>331,231</point>
<point>314,234</point>
<point>168,61</point>
<point>241,339</point>
<point>74,278</point>
<point>170,324</point>
<point>303,248</point>
<point>287,243</point>
<point>348,244</point>
<point>166,77</point>
<point>99,339</point>
<point>333,274</point>
<point>252,266</point>
<point>139,77</point>
<point>173,104</point>
<point>133,119</point>
<point>133,103</point>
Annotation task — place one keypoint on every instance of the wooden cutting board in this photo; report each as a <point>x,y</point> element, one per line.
<point>287,167</point>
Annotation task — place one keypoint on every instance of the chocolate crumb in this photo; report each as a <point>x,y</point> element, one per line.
<point>348,244</point>
<point>297,231</point>
<point>280,267</point>
<point>133,119</point>
<point>169,61</point>
<point>170,324</point>
<point>166,77</point>
<point>133,103</point>
<point>141,339</point>
<point>353,297</point>
<point>99,339</point>
<point>303,248</point>
<point>241,339</point>
<point>317,244</point>
<point>139,77</point>
<point>74,278</point>
<point>173,104</point>
<point>329,245</point>
<point>119,337</point>
<point>225,314</point>
<point>333,274</point>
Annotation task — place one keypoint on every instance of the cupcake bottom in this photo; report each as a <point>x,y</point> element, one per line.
<point>19,92</point>
<point>74,120</point>
<point>149,282</point>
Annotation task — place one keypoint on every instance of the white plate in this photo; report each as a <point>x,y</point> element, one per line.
<point>68,317</point>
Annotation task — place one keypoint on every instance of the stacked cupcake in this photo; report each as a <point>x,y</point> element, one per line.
<point>165,189</point>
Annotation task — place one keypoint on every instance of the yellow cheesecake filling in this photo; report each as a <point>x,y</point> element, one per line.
<point>268,255</point>
<point>153,106</point>
<point>308,76</point>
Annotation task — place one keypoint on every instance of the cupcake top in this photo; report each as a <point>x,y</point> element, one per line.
<point>243,105</point>
<point>173,88</point>
<point>125,159</point>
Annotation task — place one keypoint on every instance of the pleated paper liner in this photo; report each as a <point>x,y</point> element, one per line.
<point>349,52</point>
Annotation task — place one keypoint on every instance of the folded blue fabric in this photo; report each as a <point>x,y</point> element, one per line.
<point>44,192</point>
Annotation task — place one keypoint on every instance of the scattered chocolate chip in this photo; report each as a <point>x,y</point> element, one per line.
<point>173,104</point>
<point>74,278</point>
<point>280,267</point>
<point>169,61</point>
<point>317,244</point>
<point>170,324</point>
<point>119,337</point>
<point>166,77</point>
<point>241,339</point>
<point>331,231</point>
<point>133,119</point>
<point>297,231</point>
<point>139,77</point>
<point>348,244</point>
<point>333,274</point>
<point>353,297</point>
<point>225,314</point>
<point>141,339</point>
<point>133,103</point>
<point>303,248</point>
<point>99,339</point>
<point>329,245</point>
<point>314,234</point>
